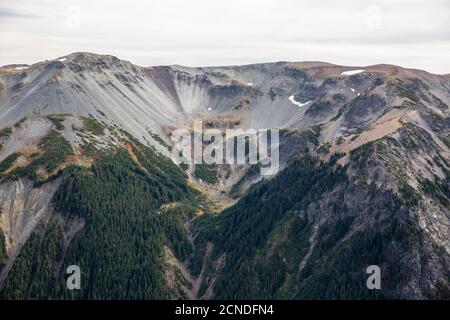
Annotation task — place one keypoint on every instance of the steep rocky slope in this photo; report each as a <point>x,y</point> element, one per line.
<point>365,158</point>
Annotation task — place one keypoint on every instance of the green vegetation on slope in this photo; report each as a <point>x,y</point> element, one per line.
<point>336,269</point>
<point>243,230</point>
<point>405,93</point>
<point>92,126</point>
<point>208,173</point>
<point>158,139</point>
<point>2,248</point>
<point>5,133</point>
<point>20,276</point>
<point>266,237</point>
<point>8,161</point>
<point>308,233</point>
<point>120,248</point>
<point>32,275</point>
<point>55,148</point>
<point>57,120</point>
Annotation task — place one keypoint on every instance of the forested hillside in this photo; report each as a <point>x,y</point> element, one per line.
<point>120,237</point>
<point>311,232</point>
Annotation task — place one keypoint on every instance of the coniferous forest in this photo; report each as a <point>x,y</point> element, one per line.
<point>108,220</point>
<point>120,247</point>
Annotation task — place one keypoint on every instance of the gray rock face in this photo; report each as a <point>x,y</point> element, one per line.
<point>22,209</point>
<point>363,109</point>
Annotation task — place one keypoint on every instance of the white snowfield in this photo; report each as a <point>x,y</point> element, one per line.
<point>352,72</point>
<point>21,68</point>
<point>62,59</point>
<point>300,104</point>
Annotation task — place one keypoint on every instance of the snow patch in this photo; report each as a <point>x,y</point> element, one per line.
<point>249,83</point>
<point>21,68</point>
<point>352,72</point>
<point>300,104</point>
<point>209,109</point>
<point>353,90</point>
<point>62,59</point>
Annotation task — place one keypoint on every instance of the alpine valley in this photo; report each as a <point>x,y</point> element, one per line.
<point>86,179</point>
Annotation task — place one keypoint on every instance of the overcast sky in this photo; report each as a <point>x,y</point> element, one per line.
<point>410,33</point>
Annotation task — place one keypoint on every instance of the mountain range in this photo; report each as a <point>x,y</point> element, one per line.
<point>86,179</point>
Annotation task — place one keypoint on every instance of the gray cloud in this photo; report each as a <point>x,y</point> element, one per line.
<point>8,13</point>
<point>412,33</point>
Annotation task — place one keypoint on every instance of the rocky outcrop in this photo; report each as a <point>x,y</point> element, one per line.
<point>22,209</point>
